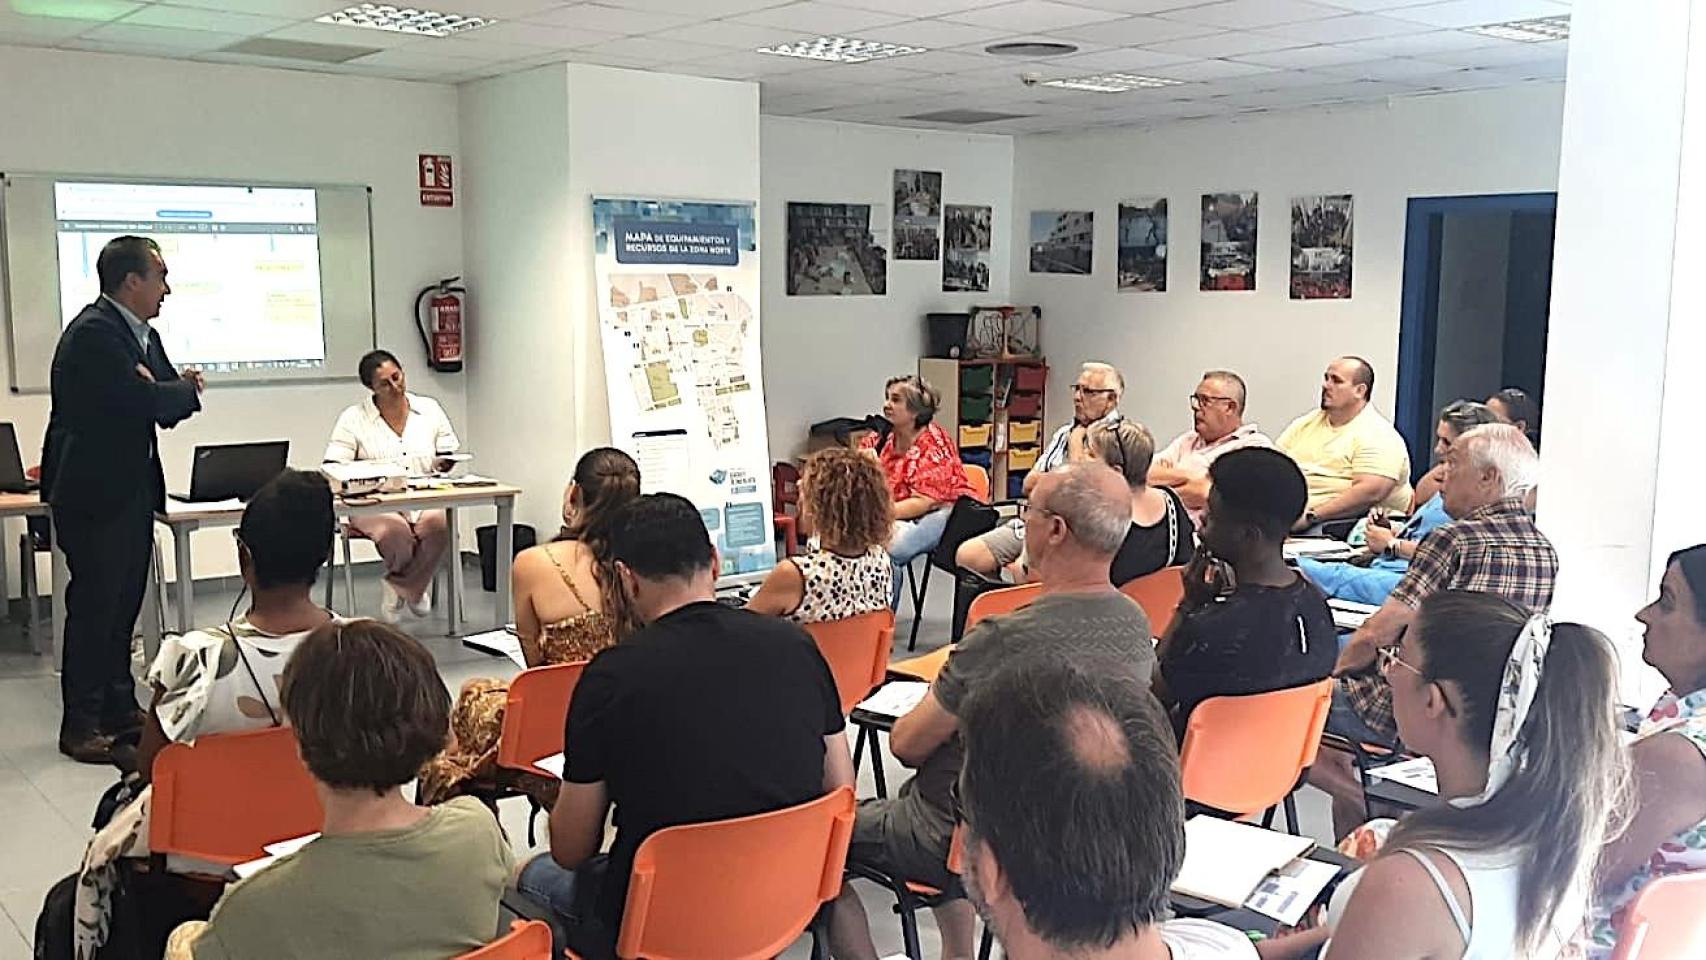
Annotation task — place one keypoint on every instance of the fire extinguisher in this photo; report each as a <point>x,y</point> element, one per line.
<point>441,325</point>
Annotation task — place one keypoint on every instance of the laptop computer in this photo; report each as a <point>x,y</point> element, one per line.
<point>233,471</point>
<point>12,479</point>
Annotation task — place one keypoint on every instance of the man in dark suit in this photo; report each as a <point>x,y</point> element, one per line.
<point>112,383</point>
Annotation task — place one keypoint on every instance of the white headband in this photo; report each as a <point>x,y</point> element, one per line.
<point>1517,689</point>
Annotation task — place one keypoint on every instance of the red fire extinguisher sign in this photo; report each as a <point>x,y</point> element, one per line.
<point>437,186</point>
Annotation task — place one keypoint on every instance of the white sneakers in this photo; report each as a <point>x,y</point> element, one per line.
<point>422,608</point>
<point>392,606</point>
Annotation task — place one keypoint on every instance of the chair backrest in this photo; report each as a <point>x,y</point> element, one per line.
<point>1667,921</point>
<point>1158,594</point>
<point>1005,600</point>
<point>978,477</point>
<point>228,795</point>
<point>526,940</point>
<point>784,485</point>
<point>736,889</point>
<point>1244,754</point>
<point>857,650</point>
<point>534,713</point>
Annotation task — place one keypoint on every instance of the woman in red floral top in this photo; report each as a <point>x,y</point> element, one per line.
<point>923,470</point>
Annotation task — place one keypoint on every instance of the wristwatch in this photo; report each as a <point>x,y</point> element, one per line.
<point>1310,519</point>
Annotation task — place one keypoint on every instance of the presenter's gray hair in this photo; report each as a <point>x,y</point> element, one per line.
<point>1098,517</point>
<point>1108,373</point>
<point>1502,447</point>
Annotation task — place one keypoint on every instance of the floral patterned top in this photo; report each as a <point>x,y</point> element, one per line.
<point>1683,853</point>
<point>929,468</point>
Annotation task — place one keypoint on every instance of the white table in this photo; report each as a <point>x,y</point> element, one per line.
<point>183,519</point>
<point>30,505</point>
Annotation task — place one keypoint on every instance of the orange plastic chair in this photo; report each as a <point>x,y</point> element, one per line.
<point>785,493</point>
<point>857,650</point>
<point>228,795</point>
<point>739,889</point>
<point>538,704</point>
<point>1005,600</point>
<point>526,940</point>
<point>1246,754</point>
<point>1158,594</point>
<point>1667,921</point>
<point>978,477</point>
<point>923,667</point>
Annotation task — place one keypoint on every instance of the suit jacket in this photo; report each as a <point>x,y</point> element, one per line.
<point>100,448</point>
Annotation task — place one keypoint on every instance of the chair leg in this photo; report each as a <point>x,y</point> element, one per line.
<point>819,930</point>
<point>533,809</point>
<point>1291,814</point>
<point>909,929</point>
<point>1268,819</point>
<point>877,773</point>
<point>331,576</point>
<point>921,587</point>
<point>27,584</point>
<point>859,746</point>
<point>349,578</point>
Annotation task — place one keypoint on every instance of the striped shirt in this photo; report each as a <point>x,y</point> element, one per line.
<point>1496,549</point>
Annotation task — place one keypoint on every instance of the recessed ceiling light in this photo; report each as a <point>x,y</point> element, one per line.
<point>384,16</point>
<point>840,50</point>
<point>1112,83</point>
<point>1538,30</point>
<point>1030,49</point>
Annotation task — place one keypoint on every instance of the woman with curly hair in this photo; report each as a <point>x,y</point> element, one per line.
<point>847,497</point>
<point>568,606</point>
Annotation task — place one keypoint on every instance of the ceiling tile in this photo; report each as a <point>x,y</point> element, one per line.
<point>934,34</point>
<point>1030,15</point>
<point>590,56</point>
<point>1304,58</point>
<point>945,61</point>
<point>540,35</point>
<point>1118,60</point>
<point>191,18</point>
<point>478,48</point>
<point>608,19</point>
<point>1356,26</point>
<point>1137,6</point>
<point>495,9</point>
<point>1420,44</point>
<point>745,63</point>
<point>417,60</point>
<point>1373,6</point>
<point>915,8</point>
<point>287,9</point>
<point>1396,68</point>
<point>650,48</point>
<point>815,19</point>
<point>1504,52</point>
<point>728,33</point>
<point>874,73</point>
<point>161,38</point>
<point>1248,14</point>
<point>1470,13</point>
<point>1229,44</point>
<point>694,9</point>
<point>31,30</point>
<point>1137,31</point>
<point>1211,70</point>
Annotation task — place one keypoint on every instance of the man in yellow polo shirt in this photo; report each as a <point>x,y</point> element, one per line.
<point>1352,457</point>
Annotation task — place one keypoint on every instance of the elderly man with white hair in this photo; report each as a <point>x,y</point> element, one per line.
<point>1491,546</point>
<point>1095,403</point>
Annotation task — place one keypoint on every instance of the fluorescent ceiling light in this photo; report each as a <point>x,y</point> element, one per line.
<point>1112,83</point>
<point>840,50</point>
<point>1526,31</point>
<point>384,16</point>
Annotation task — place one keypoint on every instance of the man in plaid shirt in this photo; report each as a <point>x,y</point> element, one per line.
<point>1492,547</point>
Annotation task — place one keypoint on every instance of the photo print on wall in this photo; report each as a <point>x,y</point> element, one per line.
<point>1321,247</point>
<point>1062,241</point>
<point>1229,241</point>
<point>965,248</point>
<point>1143,245</point>
<point>832,251</point>
<point>917,214</point>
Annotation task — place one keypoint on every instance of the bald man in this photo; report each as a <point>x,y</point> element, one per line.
<point>1350,455</point>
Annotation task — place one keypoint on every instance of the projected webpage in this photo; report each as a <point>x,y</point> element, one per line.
<point>243,262</point>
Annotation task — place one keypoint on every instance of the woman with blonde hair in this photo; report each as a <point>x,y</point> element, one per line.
<point>847,497</point>
<point>569,605</point>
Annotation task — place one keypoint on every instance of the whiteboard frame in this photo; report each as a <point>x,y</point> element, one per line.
<point>145,180</point>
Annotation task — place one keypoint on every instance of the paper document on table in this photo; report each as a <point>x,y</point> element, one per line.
<point>895,699</point>
<point>1286,894</point>
<point>246,870</point>
<point>552,764</point>
<point>1315,547</point>
<point>1418,774</point>
<point>1350,615</point>
<point>1225,861</point>
<point>292,845</point>
<point>500,643</point>
<point>202,506</point>
<point>274,851</point>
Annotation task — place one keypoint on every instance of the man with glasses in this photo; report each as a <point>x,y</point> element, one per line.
<point>1095,402</point>
<point>1217,428</point>
<point>1078,517</point>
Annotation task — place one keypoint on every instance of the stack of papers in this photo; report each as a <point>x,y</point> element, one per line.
<point>1287,894</point>
<point>1226,861</point>
<point>1417,774</point>
<point>895,699</point>
<point>552,764</point>
<point>274,851</point>
<point>498,643</point>
<point>1350,615</point>
<point>1320,549</point>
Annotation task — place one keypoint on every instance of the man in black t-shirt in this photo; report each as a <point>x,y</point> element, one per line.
<point>1248,622</point>
<point>707,713</point>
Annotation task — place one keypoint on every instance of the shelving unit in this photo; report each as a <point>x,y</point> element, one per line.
<point>993,408</point>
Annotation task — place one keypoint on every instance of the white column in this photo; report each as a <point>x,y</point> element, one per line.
<point>1609,499</point>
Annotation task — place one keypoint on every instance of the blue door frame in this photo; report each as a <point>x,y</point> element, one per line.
<point>1418,327</point>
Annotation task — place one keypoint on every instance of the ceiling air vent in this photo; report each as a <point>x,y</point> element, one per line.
<point>300,50</point>
<point>965,116</point>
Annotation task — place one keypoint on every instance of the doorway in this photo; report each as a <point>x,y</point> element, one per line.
<point>1477,296</point>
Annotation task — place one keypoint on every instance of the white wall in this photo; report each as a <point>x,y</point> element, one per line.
<point>545,143</point>
<point>1469,348</point>
<point>828,356</point>
<point>1495,142</point>
<point>68,112</point>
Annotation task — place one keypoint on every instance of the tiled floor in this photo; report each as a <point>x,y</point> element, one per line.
<point>46,801</point>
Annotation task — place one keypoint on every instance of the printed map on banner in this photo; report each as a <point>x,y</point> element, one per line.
<point>678,310</point>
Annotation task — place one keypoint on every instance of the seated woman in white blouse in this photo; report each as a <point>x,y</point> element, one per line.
<point>394,424</point>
